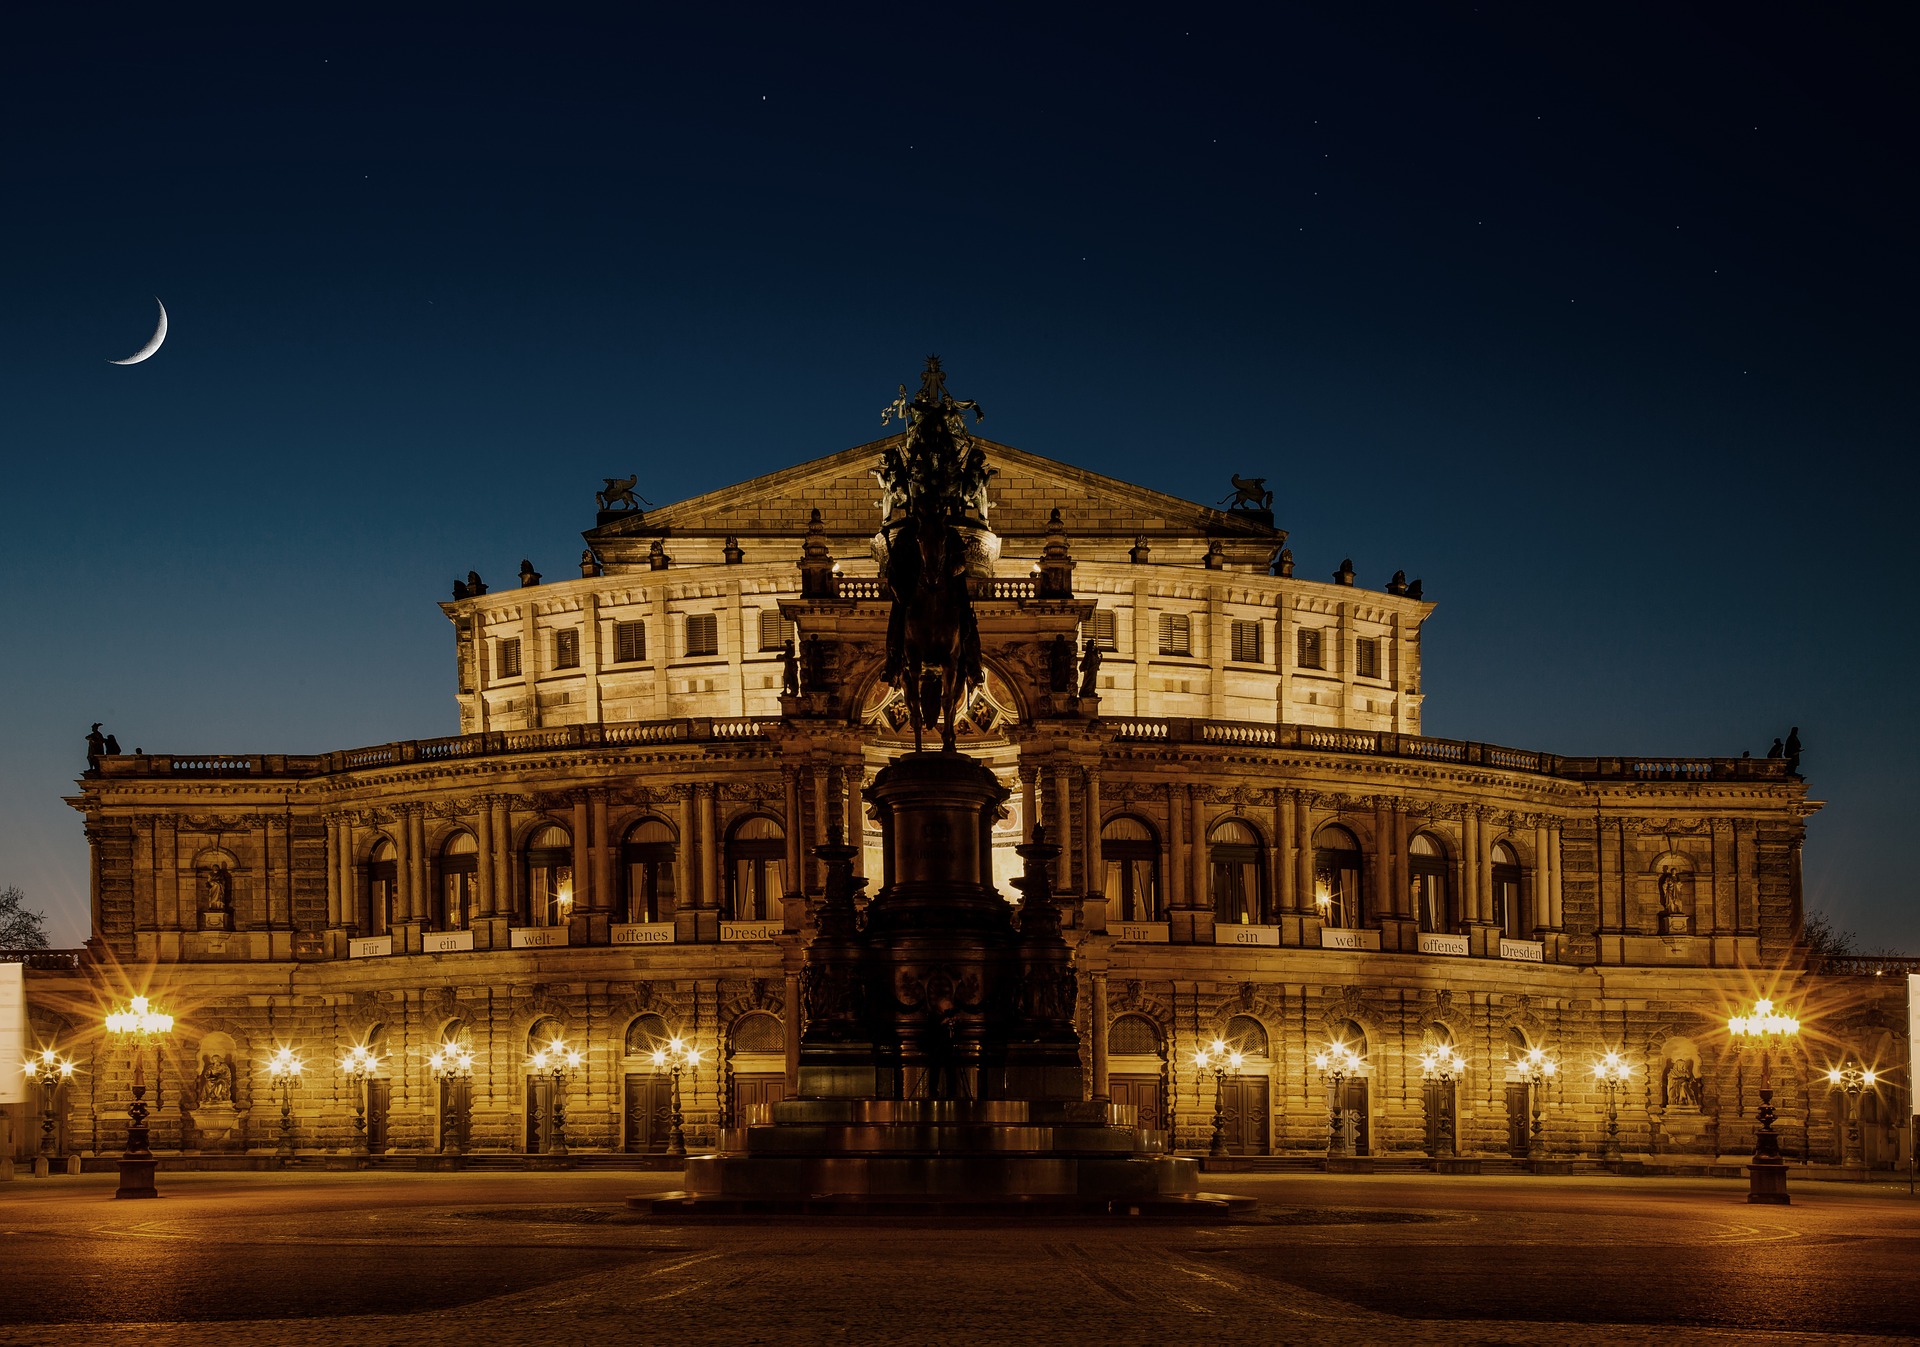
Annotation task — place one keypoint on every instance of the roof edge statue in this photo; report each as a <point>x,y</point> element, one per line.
<point>938,476</point>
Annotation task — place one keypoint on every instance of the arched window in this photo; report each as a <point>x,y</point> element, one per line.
<point>459,863</point>
<point>383,879</point>
<point>647,867</point>
<point>1350,1033</point>
<point>1132,859</point>
<point>549,876</point>
<point>1337,892</point>
<point>646,1033</point>
<point>1432,892</point>
<point>544,1031</point>
<point>1246,1035</point>
<point>1133,1036</point>
<point>759,1031</point>
<point>1508,912</point>
<point>756,869</point>
<point>1238,871</point>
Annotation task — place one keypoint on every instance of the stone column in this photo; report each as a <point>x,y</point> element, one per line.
<point>583,893</point>
<point>1556,914</point>
<point>816,835</point>
<point>1063,820</point>
<point>505,883</point>
<point>1285,879</point>
<point>1470,863</point>
<point>790,778</point>
<point>1303,855</point>
<point>686,923</point>
<point>1176,856</point>
<point>1091,869</point>
<point>791,1023</point>
<point>1542,879</point>
<point>710,877</point>
<point>1198,896</point>
<point>603,891</point>
<point>485,895</point>
<point>1102,1090</point>
<point>350,914</point>
<point>335,898</point>
<point>1029,802</point>
<point>857,817</point>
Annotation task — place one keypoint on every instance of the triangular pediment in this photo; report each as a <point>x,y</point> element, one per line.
<point>1025,490</point>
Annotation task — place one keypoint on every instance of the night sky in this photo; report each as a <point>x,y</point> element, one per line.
<point>1599,320</point>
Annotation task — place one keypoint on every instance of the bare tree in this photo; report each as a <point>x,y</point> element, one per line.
<point>20,926</point>
<point>1824,940</point>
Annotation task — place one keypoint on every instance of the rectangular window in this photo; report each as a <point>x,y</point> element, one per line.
<point>507,658</point>
<point>629,642</point>
<point>1103,630</point>
<point>1366,657</point>
<point>566,648</point>
<point>1176,634</point>
<point>703,635</point>
<point>1246,643</point>
<point>773,629</point>
<point>1310,648</point>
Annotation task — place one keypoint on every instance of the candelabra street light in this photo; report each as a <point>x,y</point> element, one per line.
<point>556,1061</point>
<point>285,1068</point>
<point>1335,1064</point>
<point>141,1023</point>
<point>1765,1030</point>
<point>1441,1064</point>
<point>1221,1059</point>
<point>1850,1080</point>
<point>1539,1069</point>
<point>358,1065</point>
<point>453,1066</point>
<point>49,1071</point>
<point>674,1056</point>
<point>1612,1071</point>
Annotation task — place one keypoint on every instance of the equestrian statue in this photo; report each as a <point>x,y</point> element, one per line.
<point>933,641</point>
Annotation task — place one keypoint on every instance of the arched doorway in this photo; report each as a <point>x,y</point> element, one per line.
<point>1439,1099</point>
<point>1427,872</point>
<point>756,870</point>
<point>1509,913</point>
<point>647,1104</point>
<point>1137,1068</point>
<point>459,864</point>
<point>1337,895</point>
<point>1131,856</point>
<point>649,862</point>
<point>549,876</point>
<point>541,1098</point>
<point>756,1065</point>
<point>1238,873</point>
<point>455,1093</point>
<point>383,879</point>
<point>1244,1097</point>
<point>1351,1114</point>
<point>379,1088</point>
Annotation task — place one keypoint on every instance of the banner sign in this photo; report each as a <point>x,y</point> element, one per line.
<point>1140,932</point>
<point>369,946</point>
<point>1246,935</point>
<point>536,937</point>
<point>731,931</point>
<point>445,942</point>
<point>13,1033</point>
<point>1432,943</point>
<point>642,933</point>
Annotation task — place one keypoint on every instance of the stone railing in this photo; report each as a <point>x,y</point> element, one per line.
<point>1016,587</point>
<point>44,960</point>
<point>1382,743</point>
<point>618,734</point>
<point>1864,965</point>
<point>858,587</point>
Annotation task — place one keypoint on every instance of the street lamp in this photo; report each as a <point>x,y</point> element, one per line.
<point>141,1023</point>
<point>1336,1063</point>
<point>557,1061</point>
<point>285,1069</point>
<point>1850,1080</point>
<point>1539,1069</point>
<point>49,1071</point>
<point>1221,1059</point>
<point>676,1054</point>
<point>1612,1071</point>
<point>453,1067</point>
<point>1765,1030</point>
<point>358,1065</point>
<point>1442,1064</point>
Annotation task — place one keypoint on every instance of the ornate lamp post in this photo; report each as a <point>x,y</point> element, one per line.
<point>1850,1080</point>
<point>1442,1064</point>
<point>1539,1068</point>
<point>1765,1030</point>
<point>453,1065</point>
<point>358,1065</point>
<point>49,1070</point>
<point>1335,1064</point>
<point>285,1068</point>
<point>1221,1059</point>
<point>557,1061</point>
<point>677,1054</point>
<point>141,1023</point>
<point>1612,1071</point>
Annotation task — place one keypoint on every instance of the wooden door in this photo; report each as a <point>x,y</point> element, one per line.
<point>1438,1097</point>
<point>1354,1119</point>
<point>456,1097</point>
<point>1141,1091</point>
<point>1519,1119</point>
<point>1245,1106</point>
<point>539,1114</point>
<point>649,1113</point>
<point>379,1097</point>
<point>752,1089</point>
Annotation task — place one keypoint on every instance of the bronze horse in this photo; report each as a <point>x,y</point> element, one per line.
<point>933,641</point>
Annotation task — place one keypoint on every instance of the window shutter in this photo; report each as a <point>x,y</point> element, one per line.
<point>1246,642</point>
<point>566,649</point>
<point>773,629</point>
<point>1367,658</point>
<point>1176,634</point>
<point>1103,629</point>
<point>509,658</point>
<point>1309,648</point>
<point>629,642</point>
<point>703,634</point>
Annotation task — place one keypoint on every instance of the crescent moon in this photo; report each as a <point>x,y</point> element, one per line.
<point>153,342</point>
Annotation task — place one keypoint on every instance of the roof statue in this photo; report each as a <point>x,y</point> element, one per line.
<point>938,476</point>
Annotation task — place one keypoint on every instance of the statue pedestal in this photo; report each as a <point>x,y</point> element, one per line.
<point>1675,923</point>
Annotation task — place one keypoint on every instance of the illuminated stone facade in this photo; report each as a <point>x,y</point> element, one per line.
<point>1259,845</point>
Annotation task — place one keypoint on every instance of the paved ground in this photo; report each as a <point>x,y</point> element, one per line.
<point>503,1259</point>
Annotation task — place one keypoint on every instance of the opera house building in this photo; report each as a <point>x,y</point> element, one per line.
<point>1411,950</point>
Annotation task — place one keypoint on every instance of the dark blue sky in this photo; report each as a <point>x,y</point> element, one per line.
<point>1599,320</point>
